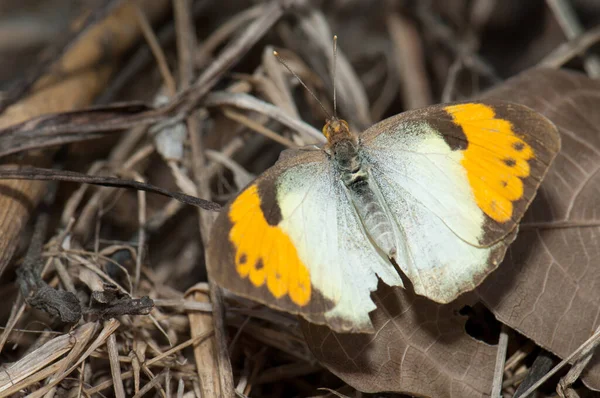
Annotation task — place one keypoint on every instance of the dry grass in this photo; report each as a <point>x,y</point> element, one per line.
<point>226,110</point>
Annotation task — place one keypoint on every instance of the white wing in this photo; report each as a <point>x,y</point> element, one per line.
<point>439,225</point>
<point>343,263</point>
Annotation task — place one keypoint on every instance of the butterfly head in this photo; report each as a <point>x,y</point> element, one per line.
<point>336,130</point>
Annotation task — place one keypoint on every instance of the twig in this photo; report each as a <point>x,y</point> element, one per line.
<point>64,276</point>
<point>143,56</point>
<point>589,343</point>
<point>518,357</point>
<point>564,388</point>
<point>141,238</point>
<point>224,31</point>
<point>109,328</point>
<point>34,362</point>
<point>259,128</point>
<point>455,68</point>
<point>248,102</point>
<point>36,173</point>
<point>352,95</point>
<point>183,305</point>
<point>154,382</point>
<point>115,367</point>
<point>124,157</point>
<point>81,341</point>
<point>540,366</point>
<point>410,62</point>
<point>157,51</point>
<point>500,360</point>
<point>150,362</point>
<point>16,312</point>
<point>180,388</point>
<point>232,53</point>
<point>445,35</point>
<point>570,49</point>
<point>565,15</point>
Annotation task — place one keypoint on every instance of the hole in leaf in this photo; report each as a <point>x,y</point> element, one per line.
<point>481,325</point>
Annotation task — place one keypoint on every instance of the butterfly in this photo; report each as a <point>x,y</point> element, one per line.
<point>429,197</point>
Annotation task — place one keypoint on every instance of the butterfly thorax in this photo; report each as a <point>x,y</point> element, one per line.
<point>344,148</point>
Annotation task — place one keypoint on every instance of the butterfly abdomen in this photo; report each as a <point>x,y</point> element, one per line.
<point>355,177</point>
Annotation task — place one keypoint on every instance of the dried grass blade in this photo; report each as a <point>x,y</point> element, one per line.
<point>37,173</point>
<point>43,356</point>
<point>109,328</point>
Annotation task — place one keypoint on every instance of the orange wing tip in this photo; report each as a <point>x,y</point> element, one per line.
<point>496,159</point>
<point>264,253</point>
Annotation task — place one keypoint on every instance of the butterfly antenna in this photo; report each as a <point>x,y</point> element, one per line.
<point>282,62</point>
<point>333,76</point>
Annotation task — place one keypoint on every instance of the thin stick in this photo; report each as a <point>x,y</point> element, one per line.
<point>232,53</point>
<point>566,18</point>
<point>156,360</point>
<point>157,51</point>
<point>115,367</point>
<point>248,102</point>
<point>109,328</point>
<point>563,53</point>
<point>565,361</point>
<point>559,224</point>
<point>259,128</point>
<point>409,61</point>
<point>36,173</point>
<point>139,258</point>
<point>500,360</point>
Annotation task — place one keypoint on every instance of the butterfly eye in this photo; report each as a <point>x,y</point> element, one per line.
<point>326,130</point>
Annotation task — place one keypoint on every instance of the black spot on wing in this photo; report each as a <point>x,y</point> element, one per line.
<point>259,265</point>
<point>510,162</point>
<point>518,146</point>
<point>541,135</point>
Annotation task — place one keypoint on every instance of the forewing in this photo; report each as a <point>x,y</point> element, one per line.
<point>292,240</point>
<point>457,179</point>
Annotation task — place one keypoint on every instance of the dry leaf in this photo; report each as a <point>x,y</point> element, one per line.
<point>548,287</point>
<point>419,348</point>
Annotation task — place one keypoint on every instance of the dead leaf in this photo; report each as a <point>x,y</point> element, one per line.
<point>548,287</point>
<point>419,348</point>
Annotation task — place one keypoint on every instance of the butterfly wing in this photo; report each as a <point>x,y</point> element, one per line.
<point>456,179</point>
<point>293,241</point>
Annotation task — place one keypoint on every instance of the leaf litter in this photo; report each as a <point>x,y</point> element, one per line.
<point>128,261</point>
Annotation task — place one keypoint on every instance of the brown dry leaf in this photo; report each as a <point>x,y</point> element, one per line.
<point>548,286</point>
<point>420,348</point>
